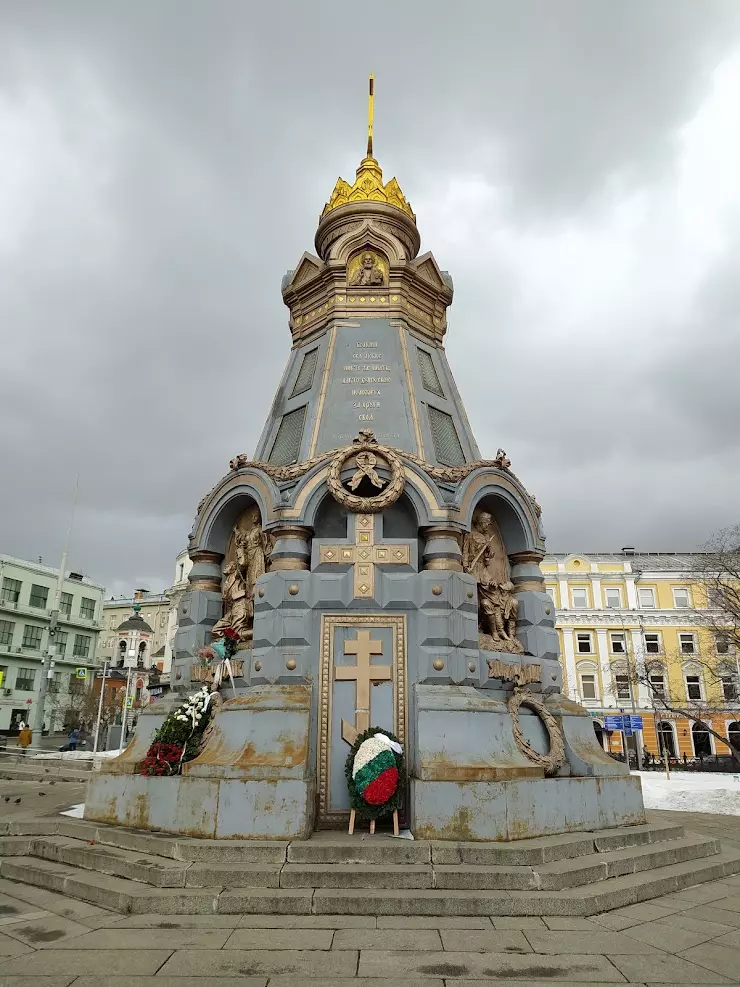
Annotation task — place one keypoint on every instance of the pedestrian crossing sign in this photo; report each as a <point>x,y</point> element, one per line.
<point>81,673</point>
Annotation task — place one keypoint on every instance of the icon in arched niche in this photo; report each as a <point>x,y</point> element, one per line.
<point>367,269</point>
<point>484,556</point>
<point>246,560</point>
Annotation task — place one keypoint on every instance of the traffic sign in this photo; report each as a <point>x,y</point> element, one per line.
<point>627,731</point>
<point>635,722</point>
<point>2,677</point>
<point>130,702</point>
<point>613,722</point>
<point>81,673</point>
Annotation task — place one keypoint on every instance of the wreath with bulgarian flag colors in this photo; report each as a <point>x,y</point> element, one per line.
<point>375,773</point>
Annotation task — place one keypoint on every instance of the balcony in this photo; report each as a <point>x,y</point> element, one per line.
<point>43,614</point>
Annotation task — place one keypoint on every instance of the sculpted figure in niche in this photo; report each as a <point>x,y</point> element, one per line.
<point>484,556</point>
<point>247,557</point>
<point>368,273</point>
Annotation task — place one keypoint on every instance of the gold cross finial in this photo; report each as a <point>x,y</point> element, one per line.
<point>370,101</point>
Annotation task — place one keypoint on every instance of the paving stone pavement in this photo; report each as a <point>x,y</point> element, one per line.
<point>689,937</point>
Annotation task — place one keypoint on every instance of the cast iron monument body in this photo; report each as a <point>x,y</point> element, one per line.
<point>395,583</point>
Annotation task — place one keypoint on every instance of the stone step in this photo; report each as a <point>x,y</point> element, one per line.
<point>129,896</point>
<point>574,873</point>
<point>164,872</point>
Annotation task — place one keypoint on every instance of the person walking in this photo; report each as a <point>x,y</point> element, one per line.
<point>25,738</point>
<point>74,736</point>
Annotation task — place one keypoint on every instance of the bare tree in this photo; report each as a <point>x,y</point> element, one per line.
<point>715,688</point>
<point>79,705</point>
<point>717,570</point>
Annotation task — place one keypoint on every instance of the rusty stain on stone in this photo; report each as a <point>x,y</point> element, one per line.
<point>441,769</point>
<point>457,828</point>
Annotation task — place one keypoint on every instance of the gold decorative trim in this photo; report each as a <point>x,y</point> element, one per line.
<point>530,586</point>
<point>410,386</point>
<point>368,187</point>
<point>397,624</point>
<point>207,585</point>
<point>291,565</point>
<point>555,758</point>
<point>322,392</point>
<point>203,555</point>
<point>366,505</point>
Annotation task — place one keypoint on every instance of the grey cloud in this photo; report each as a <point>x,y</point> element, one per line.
<point>197,143</point>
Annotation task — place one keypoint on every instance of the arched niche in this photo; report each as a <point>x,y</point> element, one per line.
<point>399,521</point>
<point>218,518</point>
<point>515,533</point>
<point>506,500</point>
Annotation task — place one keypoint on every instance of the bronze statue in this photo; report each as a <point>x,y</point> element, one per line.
<point>484,556</point>
<point>368,273</point>
<point>247,561</point>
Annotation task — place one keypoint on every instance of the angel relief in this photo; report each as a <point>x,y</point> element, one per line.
<point>484,556</point>
<point>246,560</point>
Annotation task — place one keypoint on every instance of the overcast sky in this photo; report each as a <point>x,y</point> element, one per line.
<point>575,165</point>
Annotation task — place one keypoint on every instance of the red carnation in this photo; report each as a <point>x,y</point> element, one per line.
<point>231,634</point>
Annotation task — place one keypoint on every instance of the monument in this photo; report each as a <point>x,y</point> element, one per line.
<point>373,569</point>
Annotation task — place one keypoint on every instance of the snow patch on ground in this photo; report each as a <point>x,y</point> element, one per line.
<point>74,755</point>
<point>711,792</point>
<point>76,811</point>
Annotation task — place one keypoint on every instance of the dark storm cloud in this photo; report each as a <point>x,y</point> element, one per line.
<point>164,164</point>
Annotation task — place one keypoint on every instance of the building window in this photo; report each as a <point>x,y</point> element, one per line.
<point>666,738</point>
<point>24,679</point>
<point>87,608</point>
<point>180,571</point>
<point>56,684</point>
<point>733,734</point>
<point>287,445</point>
<point>65,604</point>
<point>429,377</point>
<point>681,597</point>
<point>81,647</point>
<point>579,598</point>
<point>693,687</point>
<point>702,739</point>
<point>652,643</point>
<point>657,684</point>
<point>613,597</point>
<point>584,643</point>
<point>304,380</point>
<point>729,688</point>
<point>646,598</point>
<point>11,590</point>
<point>723,644</point>
<point>618,644</point>
<point>624,690</point>
<point>6,632</point>
<point>60,642</point>
<point>687,643</point>
<point>38,596</point>
<point>112,622</point>
<point>447,446</point>
<point>716,597</point>
<point>163,617</point>
<point>32,637</point>
<point>588,686</point>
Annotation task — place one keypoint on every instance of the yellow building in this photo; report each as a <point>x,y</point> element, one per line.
<point>633,626</point>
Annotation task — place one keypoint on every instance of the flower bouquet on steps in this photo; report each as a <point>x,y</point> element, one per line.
<point>180,737</point>
<point>375,774</point>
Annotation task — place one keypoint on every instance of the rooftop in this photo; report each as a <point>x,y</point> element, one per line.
<point>639,561</point>
<point>47,570</point>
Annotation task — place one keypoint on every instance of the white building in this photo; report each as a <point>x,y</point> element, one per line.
<point>183,565</point>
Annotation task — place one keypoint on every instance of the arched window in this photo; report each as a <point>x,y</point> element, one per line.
<point>733,733</point>
<point>666,738</point>
<point>702,739</point>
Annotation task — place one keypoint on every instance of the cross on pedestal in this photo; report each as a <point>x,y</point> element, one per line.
<point>362,673</point>
<point>364,555</point>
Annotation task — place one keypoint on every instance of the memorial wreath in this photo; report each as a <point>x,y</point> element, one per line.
<point>375,773</point>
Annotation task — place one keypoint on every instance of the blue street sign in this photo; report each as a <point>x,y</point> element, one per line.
<point>635,722</point>
<point>612,722</point>
<point>627,730</point>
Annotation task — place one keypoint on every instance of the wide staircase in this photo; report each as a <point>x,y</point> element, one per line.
<point>139,872</point>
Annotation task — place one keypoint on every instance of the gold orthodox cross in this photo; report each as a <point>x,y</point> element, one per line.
<point>364,555</point>
<point>362,673</point>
